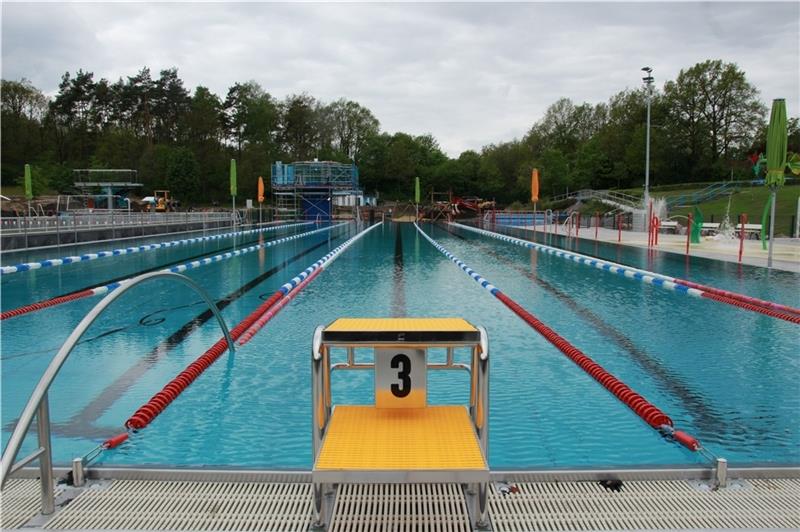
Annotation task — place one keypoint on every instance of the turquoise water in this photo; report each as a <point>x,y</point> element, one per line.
<point>723,374</point>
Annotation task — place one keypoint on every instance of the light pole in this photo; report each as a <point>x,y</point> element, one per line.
<point>648,81</point>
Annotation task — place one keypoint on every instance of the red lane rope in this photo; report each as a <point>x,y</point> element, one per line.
<point>740,297</point>
<point>651,414</point>
<point>754,308</point>
<point>147,412</point>
<point>44,304</point>
<point>115,441</point>
<point>270,313</point>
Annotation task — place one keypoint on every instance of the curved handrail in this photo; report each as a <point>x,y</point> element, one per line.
<point>570,217</point>
<point>38,398</point>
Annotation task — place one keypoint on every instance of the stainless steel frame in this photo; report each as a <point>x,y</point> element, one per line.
<point>38,404</point>
<point>476,482</point>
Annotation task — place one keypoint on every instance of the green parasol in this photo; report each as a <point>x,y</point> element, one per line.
<point>233,193</point>
<point>776,161</point>
<point>776,144</point>
<point>233,177</point>
<point>28,183</point>
<point>416,190</point>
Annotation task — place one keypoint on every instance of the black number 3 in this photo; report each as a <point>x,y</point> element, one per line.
<point>403,363</point>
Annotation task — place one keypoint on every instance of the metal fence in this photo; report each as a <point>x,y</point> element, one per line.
<point>74,221</point>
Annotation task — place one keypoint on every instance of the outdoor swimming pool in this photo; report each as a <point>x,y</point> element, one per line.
<point>726,375</point>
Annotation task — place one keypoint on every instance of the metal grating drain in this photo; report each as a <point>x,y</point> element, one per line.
<point>374,507</point>
<point>645,505</point>
<point>21,501</point>
<point>165,505</point>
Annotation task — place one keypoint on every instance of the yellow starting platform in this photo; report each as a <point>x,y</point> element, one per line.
<point>400,439</point>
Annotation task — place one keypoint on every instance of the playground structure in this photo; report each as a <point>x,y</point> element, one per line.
<point>444,205</point>
<point>305,190</point>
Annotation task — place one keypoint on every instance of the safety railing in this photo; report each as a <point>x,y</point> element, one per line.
<point>38,404</point>
<point>73,221</point>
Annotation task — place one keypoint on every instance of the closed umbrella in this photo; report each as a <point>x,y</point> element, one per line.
<point>776,161</point>
<point>416,196</point>
<point>260,196</point>
<point>28,183</point>
<point>29,197</point>
<point>233,190</point>
<point>534,190</point>
<point>535,185</point>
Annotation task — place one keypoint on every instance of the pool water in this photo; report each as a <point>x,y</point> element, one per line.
<point>723,374</point>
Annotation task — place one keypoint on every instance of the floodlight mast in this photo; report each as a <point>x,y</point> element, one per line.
<point>648,81</point>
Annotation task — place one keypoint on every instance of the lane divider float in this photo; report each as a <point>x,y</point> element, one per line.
<point>288,291</point>
<point>47,263</point>
<point>651,414</point>
<point>153,407</point>
<point>104,289</point>
<point>767,308</point>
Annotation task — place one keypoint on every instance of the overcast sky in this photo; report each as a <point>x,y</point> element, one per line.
<point>470,74</point>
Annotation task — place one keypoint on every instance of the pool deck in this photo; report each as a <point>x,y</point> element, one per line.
<point>247,504</point>
<point>786,255</point>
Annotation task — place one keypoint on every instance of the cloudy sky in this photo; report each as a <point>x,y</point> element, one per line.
<point>470,74</point>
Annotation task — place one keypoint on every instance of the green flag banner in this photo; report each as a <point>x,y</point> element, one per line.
<point>697,226</point>
<point>233,177</point>
<point>416,190</point>
<point>28,183</point>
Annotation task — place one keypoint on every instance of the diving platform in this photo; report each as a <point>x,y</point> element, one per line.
<point>400,439</point>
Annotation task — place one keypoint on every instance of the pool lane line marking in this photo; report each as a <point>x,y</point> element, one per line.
<point>77,259</point>
<point>664,281</point>
<point>648,412</point>
<point>673,383</point>
<point>398,303</point>
<point>288,291</point>
<point>156,404</point>
<point>81,425</point>
<point>180,268</point>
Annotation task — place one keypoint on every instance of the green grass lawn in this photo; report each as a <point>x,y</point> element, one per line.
<point>750,201</point>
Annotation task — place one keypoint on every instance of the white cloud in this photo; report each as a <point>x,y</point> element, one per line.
<point>470,74</point>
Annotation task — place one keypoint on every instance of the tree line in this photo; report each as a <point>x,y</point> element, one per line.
<point>704,125</point>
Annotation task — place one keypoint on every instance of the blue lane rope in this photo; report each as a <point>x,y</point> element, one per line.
<point>644,276</point>
<point>324,261</point>
<point>28,266</point>
<point>100,290</point>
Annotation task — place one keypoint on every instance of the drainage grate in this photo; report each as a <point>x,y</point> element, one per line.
<point>21,501</point>
<point>140,505</point>
<point>645,505</point>
<point>374,507</point>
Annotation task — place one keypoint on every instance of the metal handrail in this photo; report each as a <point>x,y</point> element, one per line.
<point>38,404</point>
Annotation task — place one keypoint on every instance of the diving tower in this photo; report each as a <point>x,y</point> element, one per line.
<point>305,190</point>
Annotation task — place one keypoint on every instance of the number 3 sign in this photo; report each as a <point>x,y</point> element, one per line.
<point>400,378</point>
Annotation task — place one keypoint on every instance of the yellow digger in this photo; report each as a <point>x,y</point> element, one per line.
<point>162,200</point>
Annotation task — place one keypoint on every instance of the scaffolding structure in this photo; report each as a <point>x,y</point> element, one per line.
<point>305,190</point>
